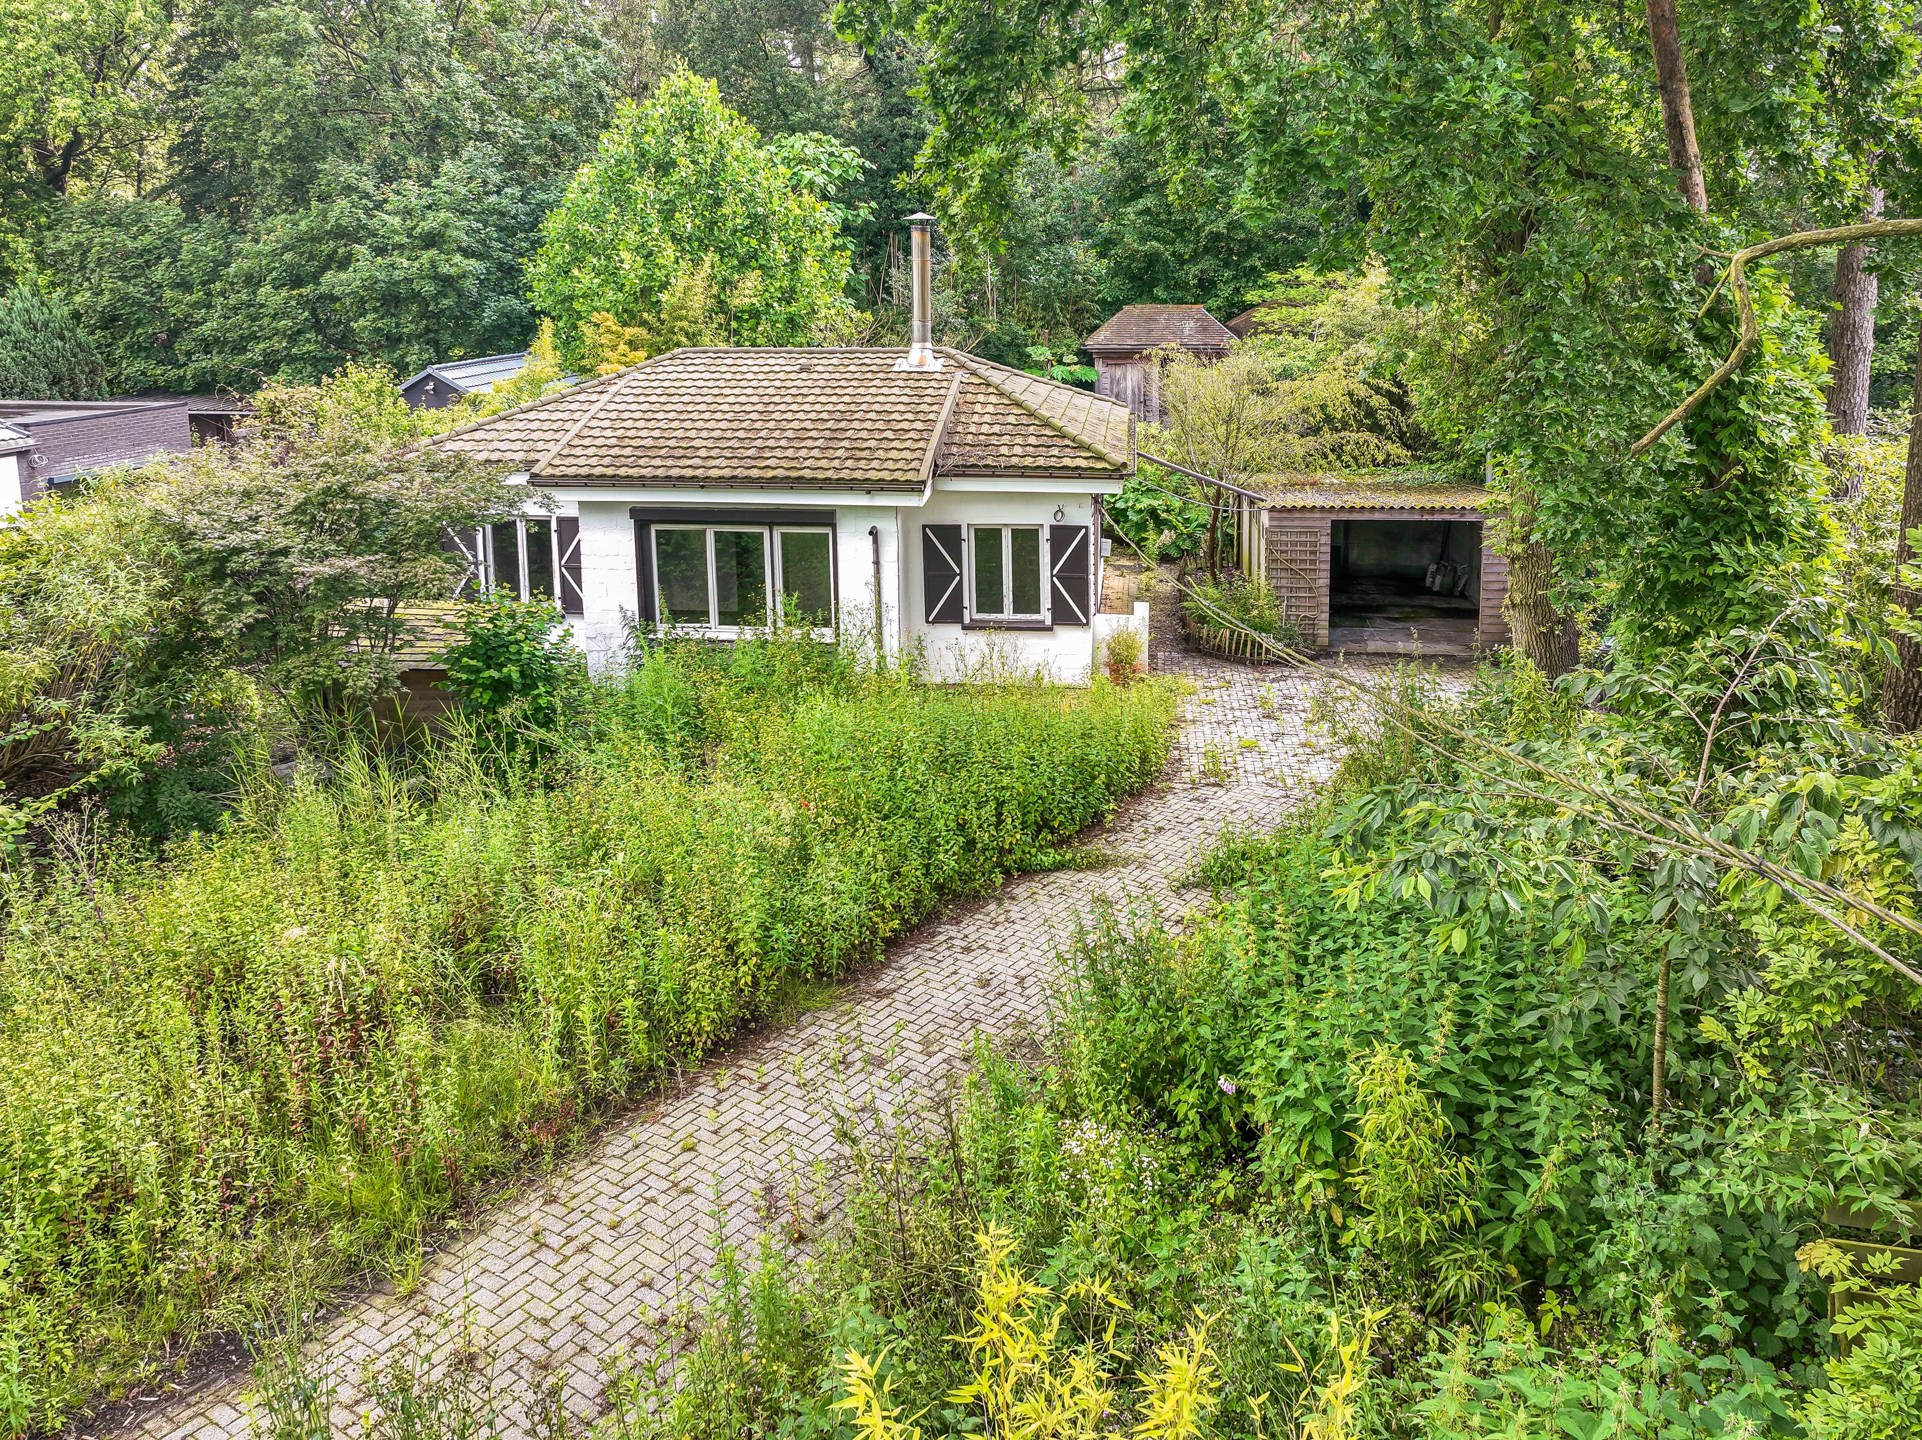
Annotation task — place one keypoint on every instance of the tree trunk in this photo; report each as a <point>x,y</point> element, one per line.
<point>1540,631</point>
<point>1902,692</point>
<point>1852,335</point>
<point>1678,113</point>
<point>1658,1079</point>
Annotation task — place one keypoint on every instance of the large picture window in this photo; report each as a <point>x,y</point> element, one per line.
<point>727,578</point>
<point>1005,579</point>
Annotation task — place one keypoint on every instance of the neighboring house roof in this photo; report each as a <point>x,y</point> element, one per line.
<point>1369,492</point>
<point>465,377</point>
<point>1149,327</point>
<point>424,631</point>
<point>428,629</point>
<point>72,437</point>
<point>1248,322</point>
<point>817,419</point>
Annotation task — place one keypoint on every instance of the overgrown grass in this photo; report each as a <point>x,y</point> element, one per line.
<point>1371,1148</point>
<point>291,1047</point>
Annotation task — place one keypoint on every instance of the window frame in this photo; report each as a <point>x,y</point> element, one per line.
<point>770,532</point>
<point>484,567</point>
<point>1009,617</point>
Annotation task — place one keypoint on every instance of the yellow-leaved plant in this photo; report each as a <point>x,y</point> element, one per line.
<point>1033,1382</point>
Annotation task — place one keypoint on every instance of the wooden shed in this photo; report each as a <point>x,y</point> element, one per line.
<point>1126,365</point>
<point>1379,566</point>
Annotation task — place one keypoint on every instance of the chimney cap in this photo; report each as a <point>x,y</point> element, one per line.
<point>920,217</point>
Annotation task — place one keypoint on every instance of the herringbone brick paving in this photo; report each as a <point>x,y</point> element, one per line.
<point>622,1239</point>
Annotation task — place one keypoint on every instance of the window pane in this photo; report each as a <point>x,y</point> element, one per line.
<point>740,577</point>
<point>1026,571</point>
<point>989,571</point>
<point>680,569</point>
<point>507,557</point>
<point>540,559</point>
<point>807,575</point>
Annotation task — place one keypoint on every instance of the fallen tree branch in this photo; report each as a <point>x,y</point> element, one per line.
<point>1737,279</point>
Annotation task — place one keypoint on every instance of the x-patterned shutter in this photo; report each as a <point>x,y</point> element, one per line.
<point>567,542</point>
<point>1070,573</point>
<point>941,574</point>
<point>470,546</point>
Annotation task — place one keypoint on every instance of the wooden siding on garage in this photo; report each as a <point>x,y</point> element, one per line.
<point>1296,546</point>
<point>1492,623</point>
<point>1297,565</point>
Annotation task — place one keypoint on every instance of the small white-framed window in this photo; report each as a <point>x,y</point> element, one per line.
<point>724,579</point>
<point>1005,577</point>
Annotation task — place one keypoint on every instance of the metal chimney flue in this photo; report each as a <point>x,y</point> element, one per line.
<point>921,352</point>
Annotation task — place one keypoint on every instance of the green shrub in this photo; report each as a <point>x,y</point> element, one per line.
<point>290,1045</point>
<point>1239,603</point>
<point>1160,525</point>
<point>511,669</point>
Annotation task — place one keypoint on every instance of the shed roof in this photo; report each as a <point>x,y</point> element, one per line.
<point>1403,492</point>
<point>13,439</point>
<point>33,414</point>
<point>1149,327</point>
<point>804,418</point>
<point>482,372</point>
<point>427,630</point>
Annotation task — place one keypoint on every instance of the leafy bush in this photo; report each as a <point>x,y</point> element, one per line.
<point>511,668</point>
<point>286,1048</point>
<point>107,682</point>
<point>1238,602</point>
<point>43,354</point>
<point>1160,525</point>
<point>1122,656</point>
<point>151,621</point>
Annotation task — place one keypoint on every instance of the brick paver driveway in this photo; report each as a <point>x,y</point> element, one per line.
<point>622,1237</point>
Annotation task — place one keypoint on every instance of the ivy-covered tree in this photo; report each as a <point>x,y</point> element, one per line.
<point>43,355</point>
<point>1512,168</point>
<point>681,183</point>
<point>81,91</point>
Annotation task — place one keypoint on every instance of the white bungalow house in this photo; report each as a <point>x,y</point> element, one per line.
<point>918,499</point>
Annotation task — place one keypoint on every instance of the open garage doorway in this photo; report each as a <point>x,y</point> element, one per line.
<point>1400,585</point>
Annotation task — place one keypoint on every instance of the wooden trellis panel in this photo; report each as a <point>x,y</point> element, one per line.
<point>1297,565</point>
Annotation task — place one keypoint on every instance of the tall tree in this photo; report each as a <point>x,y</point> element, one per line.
<point>1902,692</point>
<point>1678,107</point>
<point>681,182</point>
<point>1511,167</point>
<point>43,355</point>
<point>322,183</point>
<point>1852,334</point>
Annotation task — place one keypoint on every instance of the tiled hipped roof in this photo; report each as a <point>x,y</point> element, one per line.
<point>841,419</point>
<point>1149,327</point>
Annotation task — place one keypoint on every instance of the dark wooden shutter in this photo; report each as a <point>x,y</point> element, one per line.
<point>941,574</point>
<point>1071,573</point>
<point>469,546</point>
<point>567,545</point>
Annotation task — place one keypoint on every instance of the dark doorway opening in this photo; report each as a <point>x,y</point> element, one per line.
<point>1401,585</point>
